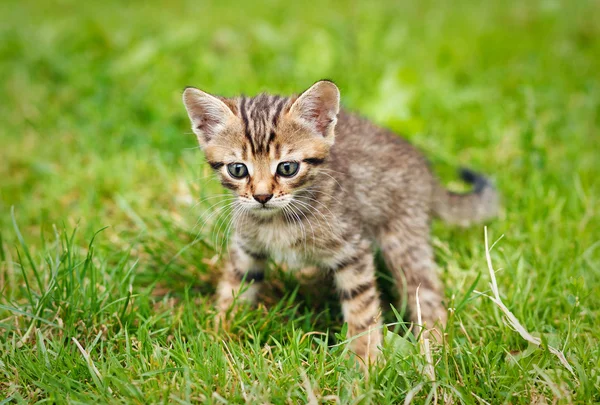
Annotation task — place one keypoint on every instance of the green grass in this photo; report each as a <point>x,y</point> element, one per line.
<point>104,247</point>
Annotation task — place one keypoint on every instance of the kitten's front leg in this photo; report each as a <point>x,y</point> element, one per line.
<point>242,276</point>
<point>357,286</point>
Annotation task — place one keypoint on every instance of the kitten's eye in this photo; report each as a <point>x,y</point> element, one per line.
<point>287,169</point>
<point>237,170</point>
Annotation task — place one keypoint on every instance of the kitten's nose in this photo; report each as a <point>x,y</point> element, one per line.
<point>262,198</point>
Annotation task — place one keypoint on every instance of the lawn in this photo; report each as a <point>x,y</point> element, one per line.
<point>109,253</point>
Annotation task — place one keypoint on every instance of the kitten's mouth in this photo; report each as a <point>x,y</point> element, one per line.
<point>269,209</point>
<point>266,210</point>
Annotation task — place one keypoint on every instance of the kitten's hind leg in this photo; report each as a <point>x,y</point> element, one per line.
<point>409,257</point>
<point>242,278</point>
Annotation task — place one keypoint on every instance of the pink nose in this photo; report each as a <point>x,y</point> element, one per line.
<point>262,198</point>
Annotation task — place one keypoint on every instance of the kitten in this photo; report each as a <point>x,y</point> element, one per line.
<point>322,187</point>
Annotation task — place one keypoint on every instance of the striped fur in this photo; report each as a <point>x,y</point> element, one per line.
<point>359,187</point>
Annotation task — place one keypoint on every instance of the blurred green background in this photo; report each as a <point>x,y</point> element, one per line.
<point>93,134</point>
<point>91,93</point>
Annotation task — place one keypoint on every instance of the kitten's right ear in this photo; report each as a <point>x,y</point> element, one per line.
<point>208,114</point>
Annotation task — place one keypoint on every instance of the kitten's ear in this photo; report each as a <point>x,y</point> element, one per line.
<point>318,107</point>
<point>208,114</point>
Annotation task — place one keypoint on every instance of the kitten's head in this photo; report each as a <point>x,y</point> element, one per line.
<point>267,148</point>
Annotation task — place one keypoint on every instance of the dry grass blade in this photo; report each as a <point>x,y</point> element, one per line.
<point>312,398</point>
<point>512,320</point>
<point>425,351</point>
<point>424,342</point>
<point>411,394</point>
<point>89,362</point>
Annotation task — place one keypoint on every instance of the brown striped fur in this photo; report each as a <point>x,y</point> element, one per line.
<point>359,187</point>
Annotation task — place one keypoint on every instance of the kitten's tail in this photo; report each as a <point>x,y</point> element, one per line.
<point>481,204</point>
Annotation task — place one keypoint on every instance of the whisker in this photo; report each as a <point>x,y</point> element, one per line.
<point>293,211</point>
<point>318,202</point>
<point>218,210</point>
<point>324,193</point>
<point>216,229</point>
<point>197,236</point>
<point>214,176</point>
<point>311,208</point>
<point>206,211</point>
<point>285,213</point>
<point>323,169</point>
<point>320,213</point>
<point>243,218</point>
<point>212,198</point>
<point>334,179</point>
<point>236,214</point>
<point>310,224</point>
<point>225,222</point>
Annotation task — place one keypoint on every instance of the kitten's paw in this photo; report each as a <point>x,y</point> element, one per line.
<point>367,349</point>
<point>368,358</point>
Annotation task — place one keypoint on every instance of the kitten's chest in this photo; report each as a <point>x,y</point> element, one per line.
<point>286,243</point>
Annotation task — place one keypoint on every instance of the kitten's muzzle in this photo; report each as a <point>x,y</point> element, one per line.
<point>262,198</point>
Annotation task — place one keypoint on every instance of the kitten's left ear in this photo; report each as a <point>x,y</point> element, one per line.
<point>318,108</point>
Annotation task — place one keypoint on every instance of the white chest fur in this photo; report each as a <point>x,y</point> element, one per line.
<point>286,242</point>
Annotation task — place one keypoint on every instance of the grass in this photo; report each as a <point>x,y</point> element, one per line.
<point>106,273</point>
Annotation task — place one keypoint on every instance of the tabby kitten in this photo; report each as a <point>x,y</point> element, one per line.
<point>322,187</point>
